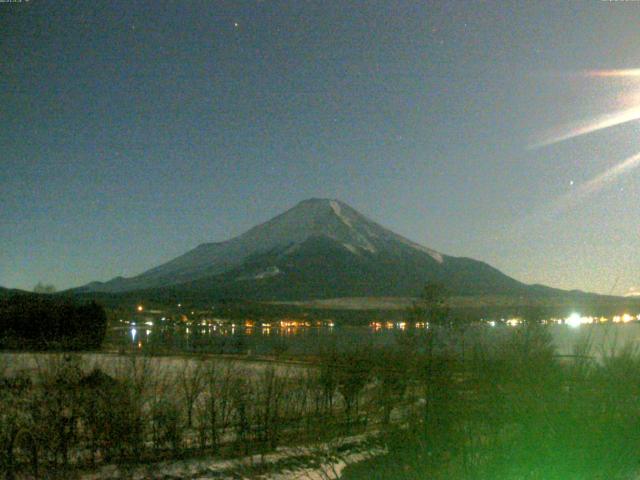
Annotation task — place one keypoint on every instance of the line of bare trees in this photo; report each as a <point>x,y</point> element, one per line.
<point>68,416</point>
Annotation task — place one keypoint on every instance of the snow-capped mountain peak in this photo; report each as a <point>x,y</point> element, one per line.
<point>315,218</point>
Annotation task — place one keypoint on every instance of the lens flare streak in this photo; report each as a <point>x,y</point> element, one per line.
<point>596,184</point>
<point>619,73</point>
<point>599,123</point>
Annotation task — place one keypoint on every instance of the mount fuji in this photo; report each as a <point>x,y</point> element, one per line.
<point>320,248</point>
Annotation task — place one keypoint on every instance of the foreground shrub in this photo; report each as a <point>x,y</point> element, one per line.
<point>513,410</point>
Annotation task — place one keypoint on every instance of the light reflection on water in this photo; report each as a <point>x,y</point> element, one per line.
<point>265,340</point>
<point>604,339</point>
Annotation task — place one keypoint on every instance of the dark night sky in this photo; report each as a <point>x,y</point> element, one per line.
<point>133,131</point>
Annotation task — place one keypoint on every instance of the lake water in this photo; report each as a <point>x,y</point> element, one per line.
<point>603,338</point>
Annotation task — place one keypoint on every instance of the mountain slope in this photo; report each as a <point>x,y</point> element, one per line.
<point>318,249</point>
<point>322,268</point>
<point>7,292</point>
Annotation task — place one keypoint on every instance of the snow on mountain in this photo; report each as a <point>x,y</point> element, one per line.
<point>335,206</point>
<point>266,273</point>
<point>309,219</point>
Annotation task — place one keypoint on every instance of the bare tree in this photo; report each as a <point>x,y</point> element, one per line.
<point>328,377</point>
<point>242,396</point>
<point>353,373</point>
<point>191,381</point>
<point>214,413</point>
<point>432,306</point>
<point>269,398</point>
<point>136,375</point>
<point>390,369</point>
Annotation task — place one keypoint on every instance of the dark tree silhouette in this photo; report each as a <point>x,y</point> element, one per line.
<point>45,322</point>
<point>432,306</point>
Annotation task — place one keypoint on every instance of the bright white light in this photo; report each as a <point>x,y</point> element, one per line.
<point>574,320</point>
<point>133,334</point>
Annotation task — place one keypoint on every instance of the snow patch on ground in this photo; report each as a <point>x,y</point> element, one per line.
<point>370,232</point>
<point>335,206</point>
<point>366,244</point>
<point>363,243</point>
<point>321,461</point>
<point>36,364</point>
<point>326,470</point>
<point>269,272</point>
<point>432,253</point>
<point>350,247</point>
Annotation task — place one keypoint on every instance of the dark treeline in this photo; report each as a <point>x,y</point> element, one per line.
<point>238,309</point>
<point>463,309</point>
<point>48,322</point>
